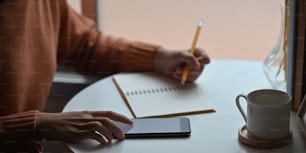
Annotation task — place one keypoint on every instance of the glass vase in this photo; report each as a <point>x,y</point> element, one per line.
<point>275,64</point>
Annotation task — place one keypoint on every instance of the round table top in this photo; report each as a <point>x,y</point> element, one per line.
<point>220,83</point>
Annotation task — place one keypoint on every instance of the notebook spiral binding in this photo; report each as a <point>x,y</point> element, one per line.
<point>159,90</point>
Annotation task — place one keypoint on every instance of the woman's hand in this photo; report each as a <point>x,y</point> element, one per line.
<point>78,126</point>
<point>172,62</point>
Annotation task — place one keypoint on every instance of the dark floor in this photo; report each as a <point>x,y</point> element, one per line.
<point>55,147</point>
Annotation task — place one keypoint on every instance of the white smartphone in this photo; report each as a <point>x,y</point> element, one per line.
<point>157,127</point>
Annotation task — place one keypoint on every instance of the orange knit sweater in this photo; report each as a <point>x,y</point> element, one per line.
<point>35,36</point>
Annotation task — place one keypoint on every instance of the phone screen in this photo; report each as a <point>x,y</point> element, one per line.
<point>157,127</point>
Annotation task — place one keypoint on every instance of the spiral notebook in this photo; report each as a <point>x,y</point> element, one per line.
<point>152,95</point>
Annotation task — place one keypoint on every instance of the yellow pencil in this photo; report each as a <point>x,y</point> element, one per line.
<point>195,39</point>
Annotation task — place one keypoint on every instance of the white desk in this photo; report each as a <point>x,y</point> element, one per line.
<point>216,132</point>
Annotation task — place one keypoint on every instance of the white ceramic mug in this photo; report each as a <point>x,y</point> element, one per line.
<point>268,113</point>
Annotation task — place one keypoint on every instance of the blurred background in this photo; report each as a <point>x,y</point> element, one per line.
<point>235,29</point>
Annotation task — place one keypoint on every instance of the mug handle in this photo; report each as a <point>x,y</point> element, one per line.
<point>239,106</point>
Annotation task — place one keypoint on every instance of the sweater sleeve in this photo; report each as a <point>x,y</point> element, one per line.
<point>19,126</point>
<point>90,51</point>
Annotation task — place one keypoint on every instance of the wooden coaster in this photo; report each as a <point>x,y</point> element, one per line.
<point>251,141</point>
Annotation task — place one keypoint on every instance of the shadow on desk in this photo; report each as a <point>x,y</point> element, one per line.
<point>92,145</point>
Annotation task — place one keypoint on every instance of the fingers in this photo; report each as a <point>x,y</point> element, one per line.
<point>197,60</point>
<point>202,56</point>
<point>113,116</point>
<point>78,126</point>
<point>102,130</point>
<point>107,117</point>
<point>98,137</point>
<point>190,60</point>
<point>192,76</point>
<point>100,126</point>
<point>95,130</point>
<point>113,128</point>
<point>196,63</point>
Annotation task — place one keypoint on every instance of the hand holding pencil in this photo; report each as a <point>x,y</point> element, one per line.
<point>192,50</point>
<point>173,62</point>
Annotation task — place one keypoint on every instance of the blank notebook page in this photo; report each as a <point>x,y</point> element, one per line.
<point>151,95</point>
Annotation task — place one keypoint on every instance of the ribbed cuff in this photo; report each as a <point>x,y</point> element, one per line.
<point>140,57</point>
<point>112,55</point>
<point>19,126</point>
